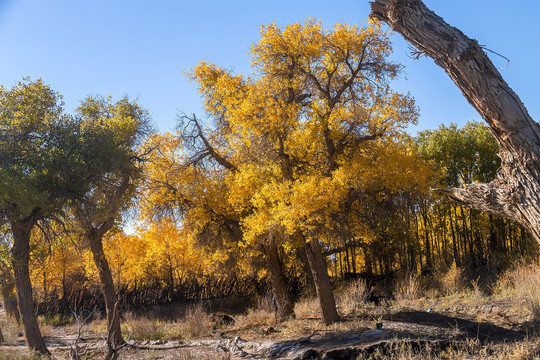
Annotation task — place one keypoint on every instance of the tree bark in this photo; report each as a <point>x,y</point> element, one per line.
<point>284,303</point>
<point>20,252</point>
<point>7,289</point>
<point>301,252</point>
<point>515,194</point>
<point>95,239</point>
<point>323,285</point>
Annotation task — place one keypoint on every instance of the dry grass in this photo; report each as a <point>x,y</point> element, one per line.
<point>307,308</point>
<point>17,355</point>
<point>453,281</point>
<point>470,349</point>
<point>354,296</point>
<point>408,290</point>
<point>262,314</point>
<point>256,317</point>
<point>146,328</point>
<point>523,282</point>
<point>11,330</point>
<point>197,322</point>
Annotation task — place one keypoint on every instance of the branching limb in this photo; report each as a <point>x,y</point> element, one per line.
<point>492,198</point>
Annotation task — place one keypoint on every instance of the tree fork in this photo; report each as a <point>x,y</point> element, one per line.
<point>515,194</point>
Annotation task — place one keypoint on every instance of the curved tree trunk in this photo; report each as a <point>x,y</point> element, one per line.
<point>515,194</point>
<point>21,230</point>
<point>114,333</point>
<point>284,303</point>
<point>323,285</point>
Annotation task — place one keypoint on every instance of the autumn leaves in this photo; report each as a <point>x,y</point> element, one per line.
<point>293,146</point>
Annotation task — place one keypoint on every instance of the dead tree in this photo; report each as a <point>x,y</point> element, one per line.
<point>515,193</point>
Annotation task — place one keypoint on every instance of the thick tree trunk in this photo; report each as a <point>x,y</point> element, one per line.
<point>20,251</point>
<point>515,194</point>
<point>114,337</point>
<point>284,303</point>
<point>323,285</point>
<point>7,289</point>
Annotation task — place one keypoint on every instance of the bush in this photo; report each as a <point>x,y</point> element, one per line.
<point>408,288</point>
<point>354,296</point>
<point>197,322</point>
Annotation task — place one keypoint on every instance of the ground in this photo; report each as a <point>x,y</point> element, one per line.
<point>450,328</point>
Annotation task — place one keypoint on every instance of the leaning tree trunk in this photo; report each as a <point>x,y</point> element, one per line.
<point>325,294</point>
<point>114,333</point>
<point>284,303</point>
<point>515,194</point>
<point>20,252</point>
<point>301,252</point>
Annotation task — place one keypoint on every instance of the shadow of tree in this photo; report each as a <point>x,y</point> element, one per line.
<point>483,331</point>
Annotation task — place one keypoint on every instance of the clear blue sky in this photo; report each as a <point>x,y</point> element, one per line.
<point>141,48</point>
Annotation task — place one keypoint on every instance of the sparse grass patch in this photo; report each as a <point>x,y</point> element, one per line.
<point>17,355</point>
<point>56,319</point>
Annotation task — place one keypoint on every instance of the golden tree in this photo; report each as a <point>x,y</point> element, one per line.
<point>290,145</point>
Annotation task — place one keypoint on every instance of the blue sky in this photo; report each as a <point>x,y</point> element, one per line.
<point>142,48</point>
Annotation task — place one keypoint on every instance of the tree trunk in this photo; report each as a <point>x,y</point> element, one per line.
<point>114,333</point>
<point>20,251</point>
<point>7,289</point>
<point>515,194</point>
<point>454,240</point>
<point>284,303</point>
<point>323,285</point>
<point>301,252</point>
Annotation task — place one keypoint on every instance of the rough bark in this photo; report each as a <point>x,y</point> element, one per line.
<point>20,252</point>
<point>284,303</point>
<point>515,194</point>
<point>325,294</point>
<point>95,239</point>
<point>7,289</point>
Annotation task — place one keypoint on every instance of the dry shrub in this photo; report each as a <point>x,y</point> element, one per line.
<point>257,317</point>
<point>266,303</point>
<point>197,322</point>
<point>145,328</point>
<point>408,288</point>
<point>307,308</point>
<point>453,281</point>
<point>263,313</point>
<point>523,282</point>
<point>354,296</point>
